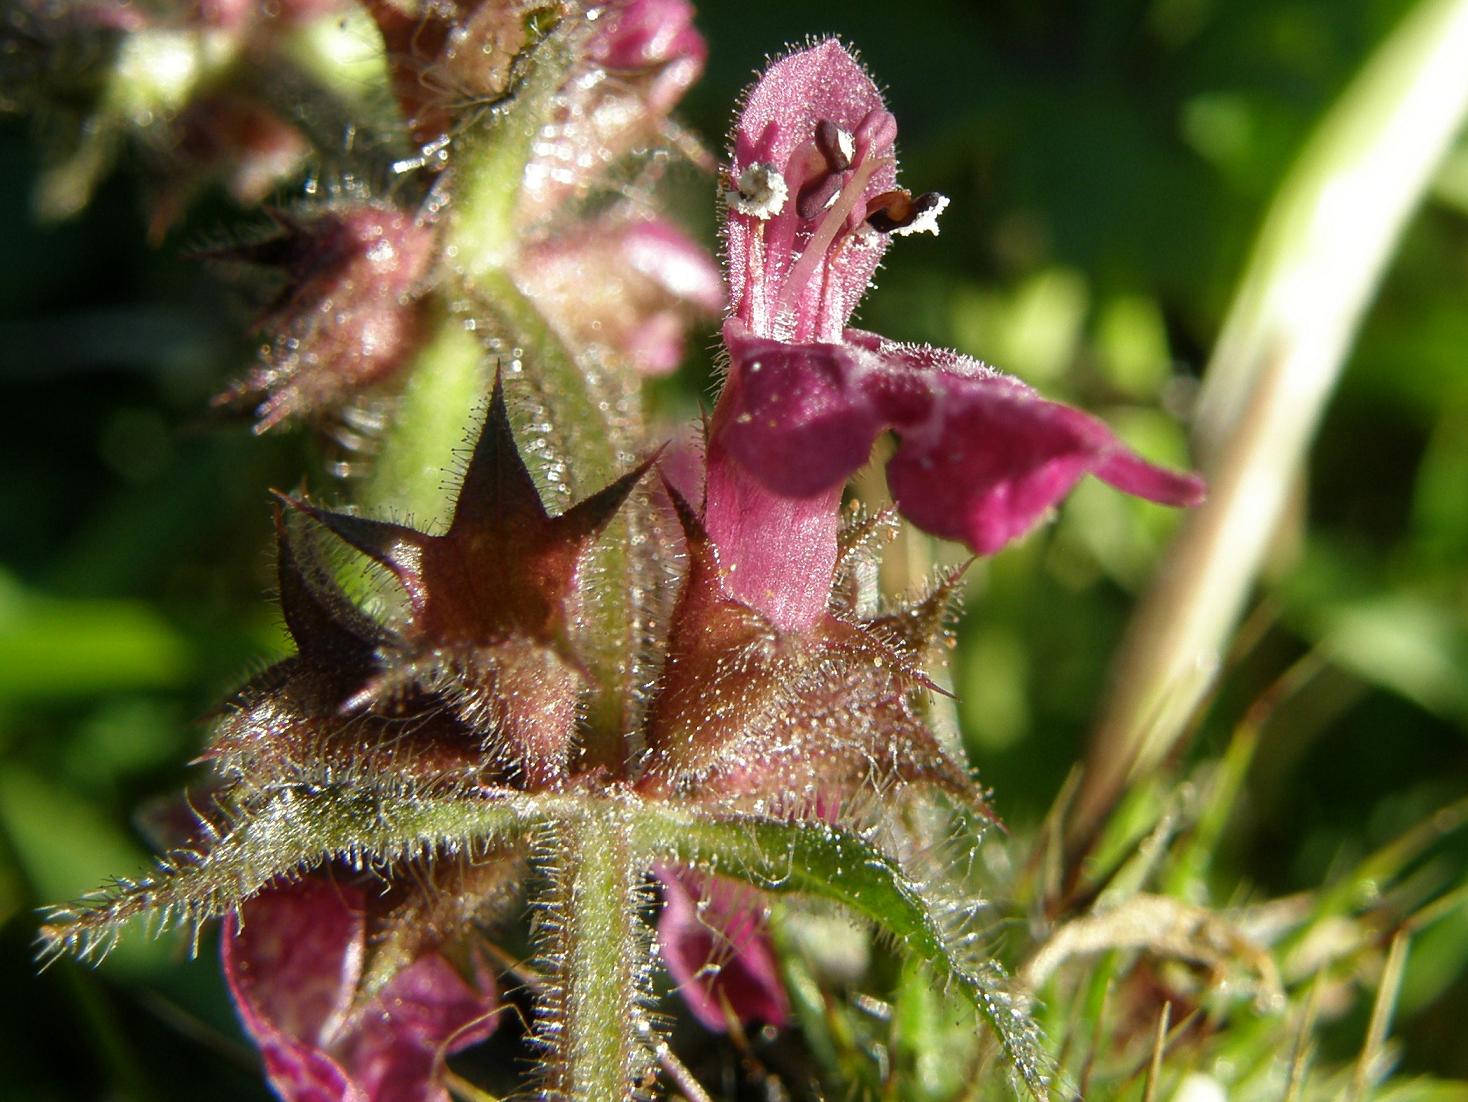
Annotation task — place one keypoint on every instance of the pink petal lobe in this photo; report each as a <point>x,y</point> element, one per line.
<point>430,1004</point>
<point>639,35</point>
<point>982,457</point>
<point>997,467</point>
<point>1133,475</point>
<point>292,958</point>
<point>712,936</point>
<point>794,415</point>
<point>990,457</point>
<point>299,1073</point>
<point>634,284</point>
<point>425,1012</point>
<point>796,92</point>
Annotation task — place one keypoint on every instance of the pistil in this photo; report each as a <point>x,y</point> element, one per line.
<point>821,240</point>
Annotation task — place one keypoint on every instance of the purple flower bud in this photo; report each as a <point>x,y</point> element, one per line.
<point>629,284</point>
<point>228,137</point>
<point>640,57</point>
<point>348,316</point>
<point>652,37</point>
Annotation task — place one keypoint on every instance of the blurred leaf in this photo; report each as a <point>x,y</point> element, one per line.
<point>1440,503</point>
<point>1032,332</point>
<point>1451,184</point>
<point>123,736</point>
<point>1131,339</point>
<point>64,844</point>
<point>52,647</point>
<point>934,1043</point>
<point>1411,643</point>
<point>993,687</point>
<point>65,847</point>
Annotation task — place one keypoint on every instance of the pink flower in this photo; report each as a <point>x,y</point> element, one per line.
<point>812,202</point>
<point>713,941</point>
<point>626,282</point>
<point>640,57</point>
<point>294,958</point>
<point>652,37</point>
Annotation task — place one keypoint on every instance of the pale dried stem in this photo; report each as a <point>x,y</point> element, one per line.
<point>1300,1058</point>
<point>1368,1064</point>
<point>1159,1047</point>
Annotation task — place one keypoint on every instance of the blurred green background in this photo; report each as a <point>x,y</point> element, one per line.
<point>1109,164</point>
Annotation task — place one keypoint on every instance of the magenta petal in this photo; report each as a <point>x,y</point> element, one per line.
<point>292,957</point>
<point>1133,475</point>
<point>988,457</point>
<point>778,553</point>
<point>637,35</point>
<point>426,1011</point>
<point>430,1004</point>
<point>794,415</point>
<point>712,937</point>
<point>790,427</point>
<point>995,467</point>
<point>667,256</point>
<point>982,456</point>
<point>299,1073</point>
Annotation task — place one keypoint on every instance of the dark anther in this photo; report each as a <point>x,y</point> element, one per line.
<point>928,200</point>
<point>891,210</point>
<point>817,194</point>
<point>895,210</point>
<point>834,144</point>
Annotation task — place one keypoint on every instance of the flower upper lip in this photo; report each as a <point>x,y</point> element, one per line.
<point>817,121</point>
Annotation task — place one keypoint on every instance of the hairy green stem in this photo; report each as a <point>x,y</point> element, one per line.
<point>434,422</point>
<point>599,950</point>
<point>490,159</point>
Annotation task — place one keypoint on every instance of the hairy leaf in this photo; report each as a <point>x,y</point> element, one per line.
<point>814,858</point>
<point>294,829</point>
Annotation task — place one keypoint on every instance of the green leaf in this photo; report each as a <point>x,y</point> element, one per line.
<point>818,859</point>
<point>293,829</point>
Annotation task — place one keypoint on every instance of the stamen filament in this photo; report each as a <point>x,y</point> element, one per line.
<point>820,241</point>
